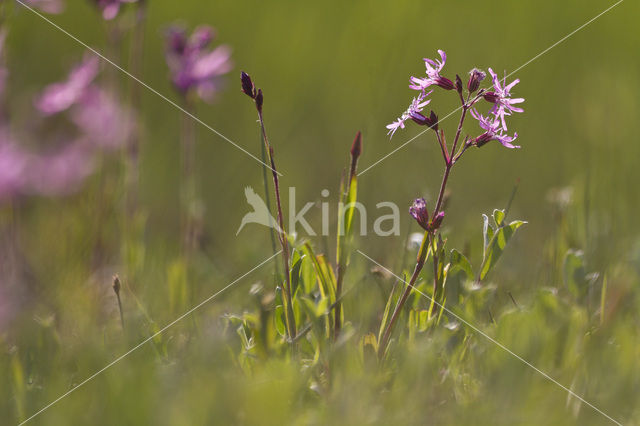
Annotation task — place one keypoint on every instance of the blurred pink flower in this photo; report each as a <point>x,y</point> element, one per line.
<point>102,120</point>
<point>58,97</point>
<point>110,8</point>
<point>13,166</point>
<point>61,172</point>
<point>47,6</point>
<point>98,115</point>
<point>192,65</point>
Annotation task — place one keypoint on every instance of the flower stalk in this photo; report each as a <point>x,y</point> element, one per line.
<point>256,94</point>
<point>494,127</point>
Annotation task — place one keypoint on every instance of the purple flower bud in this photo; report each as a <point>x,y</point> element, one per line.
<point>420,213</point>
<point>431,121</point>
<point>491,97</point>
<point>445,83</point>
<point>482,139</point>
<point>259,100</point>
<point>418,118</point>
<point>475,77</point>
<point>458,84</point>
<point>247,85</point>
<point>436,222</point>
<point>434,120</point>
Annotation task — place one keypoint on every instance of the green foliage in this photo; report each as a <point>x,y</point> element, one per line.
<point>495,237</point>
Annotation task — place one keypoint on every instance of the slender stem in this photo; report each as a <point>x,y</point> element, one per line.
<point>422,254</point>
<point>267,198</point>
<point>338,308</point>
<point>188,180</point>
<point>282,236</point>
<point>133,146</point>
<point>120,309</point>
<point>443,147</point>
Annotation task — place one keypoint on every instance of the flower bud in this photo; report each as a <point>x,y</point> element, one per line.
<point>434,121</point>
<point>436,222</point>
<point>482,139</point>
<point>475,77</point>
<point>420,213</point>
<point>356,147</point>
<point>458,84</point>
<point>116,284</point>
<point>431,121</point>
<point>247,85</point>
<point>491,97</point>
<point>445,83</point>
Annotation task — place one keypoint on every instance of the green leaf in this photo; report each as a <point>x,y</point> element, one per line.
<point>487,234</point>
<point>497,244</point>
<point>498,217</point>
<point>352,198</point>
<point>460,262</point>
<point>391,301</point>
<point>279,320</point>
<point>295,272</point>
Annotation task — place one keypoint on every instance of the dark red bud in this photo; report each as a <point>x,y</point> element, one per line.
<point>420,213</point>
<point>434,120</point>
<point>482,139</point>
<point>356,147</point>
<point>475,77</point>
<point>247,85</point>
<point>445,83</point>
<point>436,222</point>
<point>458,84</point>
<point>491,97</point>
<point>431,121</point>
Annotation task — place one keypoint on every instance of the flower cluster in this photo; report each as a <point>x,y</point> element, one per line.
<point>193,65</point>
<point>99,122</point>
<point>494,124</point>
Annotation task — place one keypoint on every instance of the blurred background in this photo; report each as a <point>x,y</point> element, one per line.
<point>329,69</point>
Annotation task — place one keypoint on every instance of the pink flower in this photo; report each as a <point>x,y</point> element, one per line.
<point>13,165</point>
<point>47,6</point>
<point>416,107</point>
<point>503,105</point>
<point>193,66</point>
<point>98,116</point>
<point>110,8</point>
<point>433,75</point>
<point>102,119</point>
<point>58,97</point>
<point>61,172</point>
<point>491,125</point>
